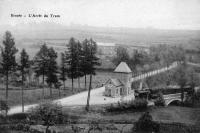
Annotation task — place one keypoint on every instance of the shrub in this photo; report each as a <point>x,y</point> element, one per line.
<point>197,95</point>
<point>188,102</point>
<point>160,100</point>
<point>146,123</point>
<point>2,119</point>
<point>137,105</point>
<point>48,113</point>
<point>140,104</point>
<point>3,106</point>
<point>18,117</point>
<point>19,126</point>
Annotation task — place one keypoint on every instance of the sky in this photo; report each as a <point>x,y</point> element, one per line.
<point>161,14</point>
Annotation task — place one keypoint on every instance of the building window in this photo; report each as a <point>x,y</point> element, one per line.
<point>117,91</point>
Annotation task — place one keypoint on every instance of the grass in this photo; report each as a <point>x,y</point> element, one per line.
<point>35,95</point>
<point>161,114</point>
<point>173,119</point>
<point>127,128</point>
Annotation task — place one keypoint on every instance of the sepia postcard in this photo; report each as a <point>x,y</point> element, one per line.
<point>99,66</point>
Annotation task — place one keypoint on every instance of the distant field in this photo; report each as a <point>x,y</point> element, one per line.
<point>30,35</point>
<point>131,36</point>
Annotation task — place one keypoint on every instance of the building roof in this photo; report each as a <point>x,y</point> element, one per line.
<point>122,68</point>
<point>115,82</point>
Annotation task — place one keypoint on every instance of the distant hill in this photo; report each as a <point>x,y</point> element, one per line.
<point>129,36</point>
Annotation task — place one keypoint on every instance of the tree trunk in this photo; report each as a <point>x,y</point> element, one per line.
<point>193,95</point>
<point>79,86</point>
<point>51,91</point>
<point>88,98</point>
<point>85,81</point>
<point>30,80</point>
<point>59,91</point>
<point>72,85</point>
<point>47,128</point>
<point>6,91</point>
<point>43,86</point>
<point>22,93</point>
<point>64,84</point>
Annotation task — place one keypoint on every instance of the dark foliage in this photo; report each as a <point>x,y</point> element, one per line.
<point>146,123</point>
<point>121,55</point>
<point>51,69</point>
<point>41,62</point>
<point>47,113</point>
<point>135,105</point>
<point>23,67</point>
<point>160,100</point>
<point>73,59</point>
<point>92,61</point>
<point>8,58</point>
<point>18,117</point>
<point>63,69</point>
<point>3,105</point>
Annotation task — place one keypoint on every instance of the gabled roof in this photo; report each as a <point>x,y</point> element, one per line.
<point>122,68</point>
<point>115,82</point>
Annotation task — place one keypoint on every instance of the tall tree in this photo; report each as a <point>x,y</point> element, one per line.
<point>165,54</point>
<point>138,59</point>
<point>121,55</point>
<point>79,58</point>
<point>52,69</point>
<point>63,69</point>
<point>8,58</point>
<point>194,80</point>
<point>181,78</point>
<point>30,72</point>
<point>71,60</point>
<point>40,64</point>
<point>84,62</point>
<point>93,61</point>
<point>23,67</point>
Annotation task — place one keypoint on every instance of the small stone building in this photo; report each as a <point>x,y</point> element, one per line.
<point>121,85</point>
<point>114,88</point>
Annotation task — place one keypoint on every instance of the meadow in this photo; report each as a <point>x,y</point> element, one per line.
<point>34,95</point>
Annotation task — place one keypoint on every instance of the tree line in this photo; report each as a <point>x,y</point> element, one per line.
<point>158,57</point>
<point>79,60</point>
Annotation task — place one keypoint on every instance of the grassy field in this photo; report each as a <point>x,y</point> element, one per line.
<point>162,114</point>
<point>170,114</point>
<point>114,128</point>
<point>35,95</point>
<point>172,119</point>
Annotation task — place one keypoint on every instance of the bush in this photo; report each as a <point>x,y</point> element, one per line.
<point>140,104</point>
<point>18,117</point>
<point>197,95</point>
<point>146,123</point>
<point>188,102</point>
<point>160,100</point>
<point>2,119</point>
<point>3,106</point>
<point>136,105</point>
<point>47,113</point>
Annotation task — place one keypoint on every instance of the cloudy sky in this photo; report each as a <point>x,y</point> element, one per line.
<point>162,14</point>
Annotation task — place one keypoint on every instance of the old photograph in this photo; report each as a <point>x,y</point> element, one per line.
<point>99,66</point>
